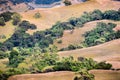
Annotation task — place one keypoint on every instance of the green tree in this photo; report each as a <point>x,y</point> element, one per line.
<point>37,15</point>
<point>84,75</point>
<point>15,58</point>
<point>2,21</point>
<point>16,18</point>
<point>67,2</point>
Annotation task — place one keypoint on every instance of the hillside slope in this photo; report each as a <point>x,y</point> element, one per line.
<point>106,51</point>
<point>75,36</point>
<point>50,16</point>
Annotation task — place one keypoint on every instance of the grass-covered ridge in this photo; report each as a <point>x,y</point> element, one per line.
<point>43,39</point>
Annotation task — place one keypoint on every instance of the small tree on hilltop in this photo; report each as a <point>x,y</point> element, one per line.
<point>67,2</point>
<point>2,21</point>
<point>85,75</point>
<point>37,15</point>
<point>16,18</point>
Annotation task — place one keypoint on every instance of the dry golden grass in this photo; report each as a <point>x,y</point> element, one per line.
<point>106,74</point>
<point>66,75</point>
<point>101,52</point>
<point>7,30</point>
<point>63,75</point>
<point>3,63</point>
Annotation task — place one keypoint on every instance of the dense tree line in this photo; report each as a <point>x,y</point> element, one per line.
<point>49,62</point>
<point>101,34</point>
<point>4,17</point>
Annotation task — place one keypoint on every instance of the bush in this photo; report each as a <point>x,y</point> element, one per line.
<point>102,33</point>
<point>6,15</point>
<point>59,41</point>
<point>67,2</point>
<point>37,15</point>
<point>16,18</point>
<point>2,21</point>
<point>3,55</point>
<point>103,65</point>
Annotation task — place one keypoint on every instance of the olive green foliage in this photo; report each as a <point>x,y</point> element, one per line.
<point>67,2</point>
<point>2,21</point>
<point>112,14</point>
<point>46,60</point>
<point>6,15</point>
<point>71,65</point>
<point>16,18</point>
<point>3,55</point>
<point>15,58</point>
<point>59,41</point>
<point>102,33</point>
<point>37,15</point>
<point>103,65</point>
<point>84,75</point>
<point>10,72</point>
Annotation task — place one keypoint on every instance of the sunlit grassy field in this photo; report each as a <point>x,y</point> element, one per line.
<point>7,30</point>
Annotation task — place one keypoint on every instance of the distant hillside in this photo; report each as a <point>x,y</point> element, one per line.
<point>36,1</point>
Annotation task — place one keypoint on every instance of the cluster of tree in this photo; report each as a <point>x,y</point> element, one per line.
<point>67,2</point>
<point>3,55</point>
<point>102,33</point>
<point>48,62</point>
<point>84,75</point>
<point>20,37</point>
<point>4,17</point>
<point>70,64</point>
<point>16,18</point>
<point>72,47</point>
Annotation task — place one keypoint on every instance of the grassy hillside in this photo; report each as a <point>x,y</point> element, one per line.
<point>106,75</point>
<point>51,15</point>
<point>101,52</point>
<point>65,75</point>
<point>76,36</point>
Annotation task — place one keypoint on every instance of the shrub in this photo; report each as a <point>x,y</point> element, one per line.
<point>37,15</point>
<point>59,41</point>
<point>103,65</point>
<point>2,21</point>
<point>67,2</point>
<point>16,18</point>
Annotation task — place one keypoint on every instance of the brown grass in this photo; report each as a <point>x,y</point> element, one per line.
<point>101,52</point>
<point>7,30</point>
<point>106,74</point>
<point>63,75</point>
<point>66,75</point>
